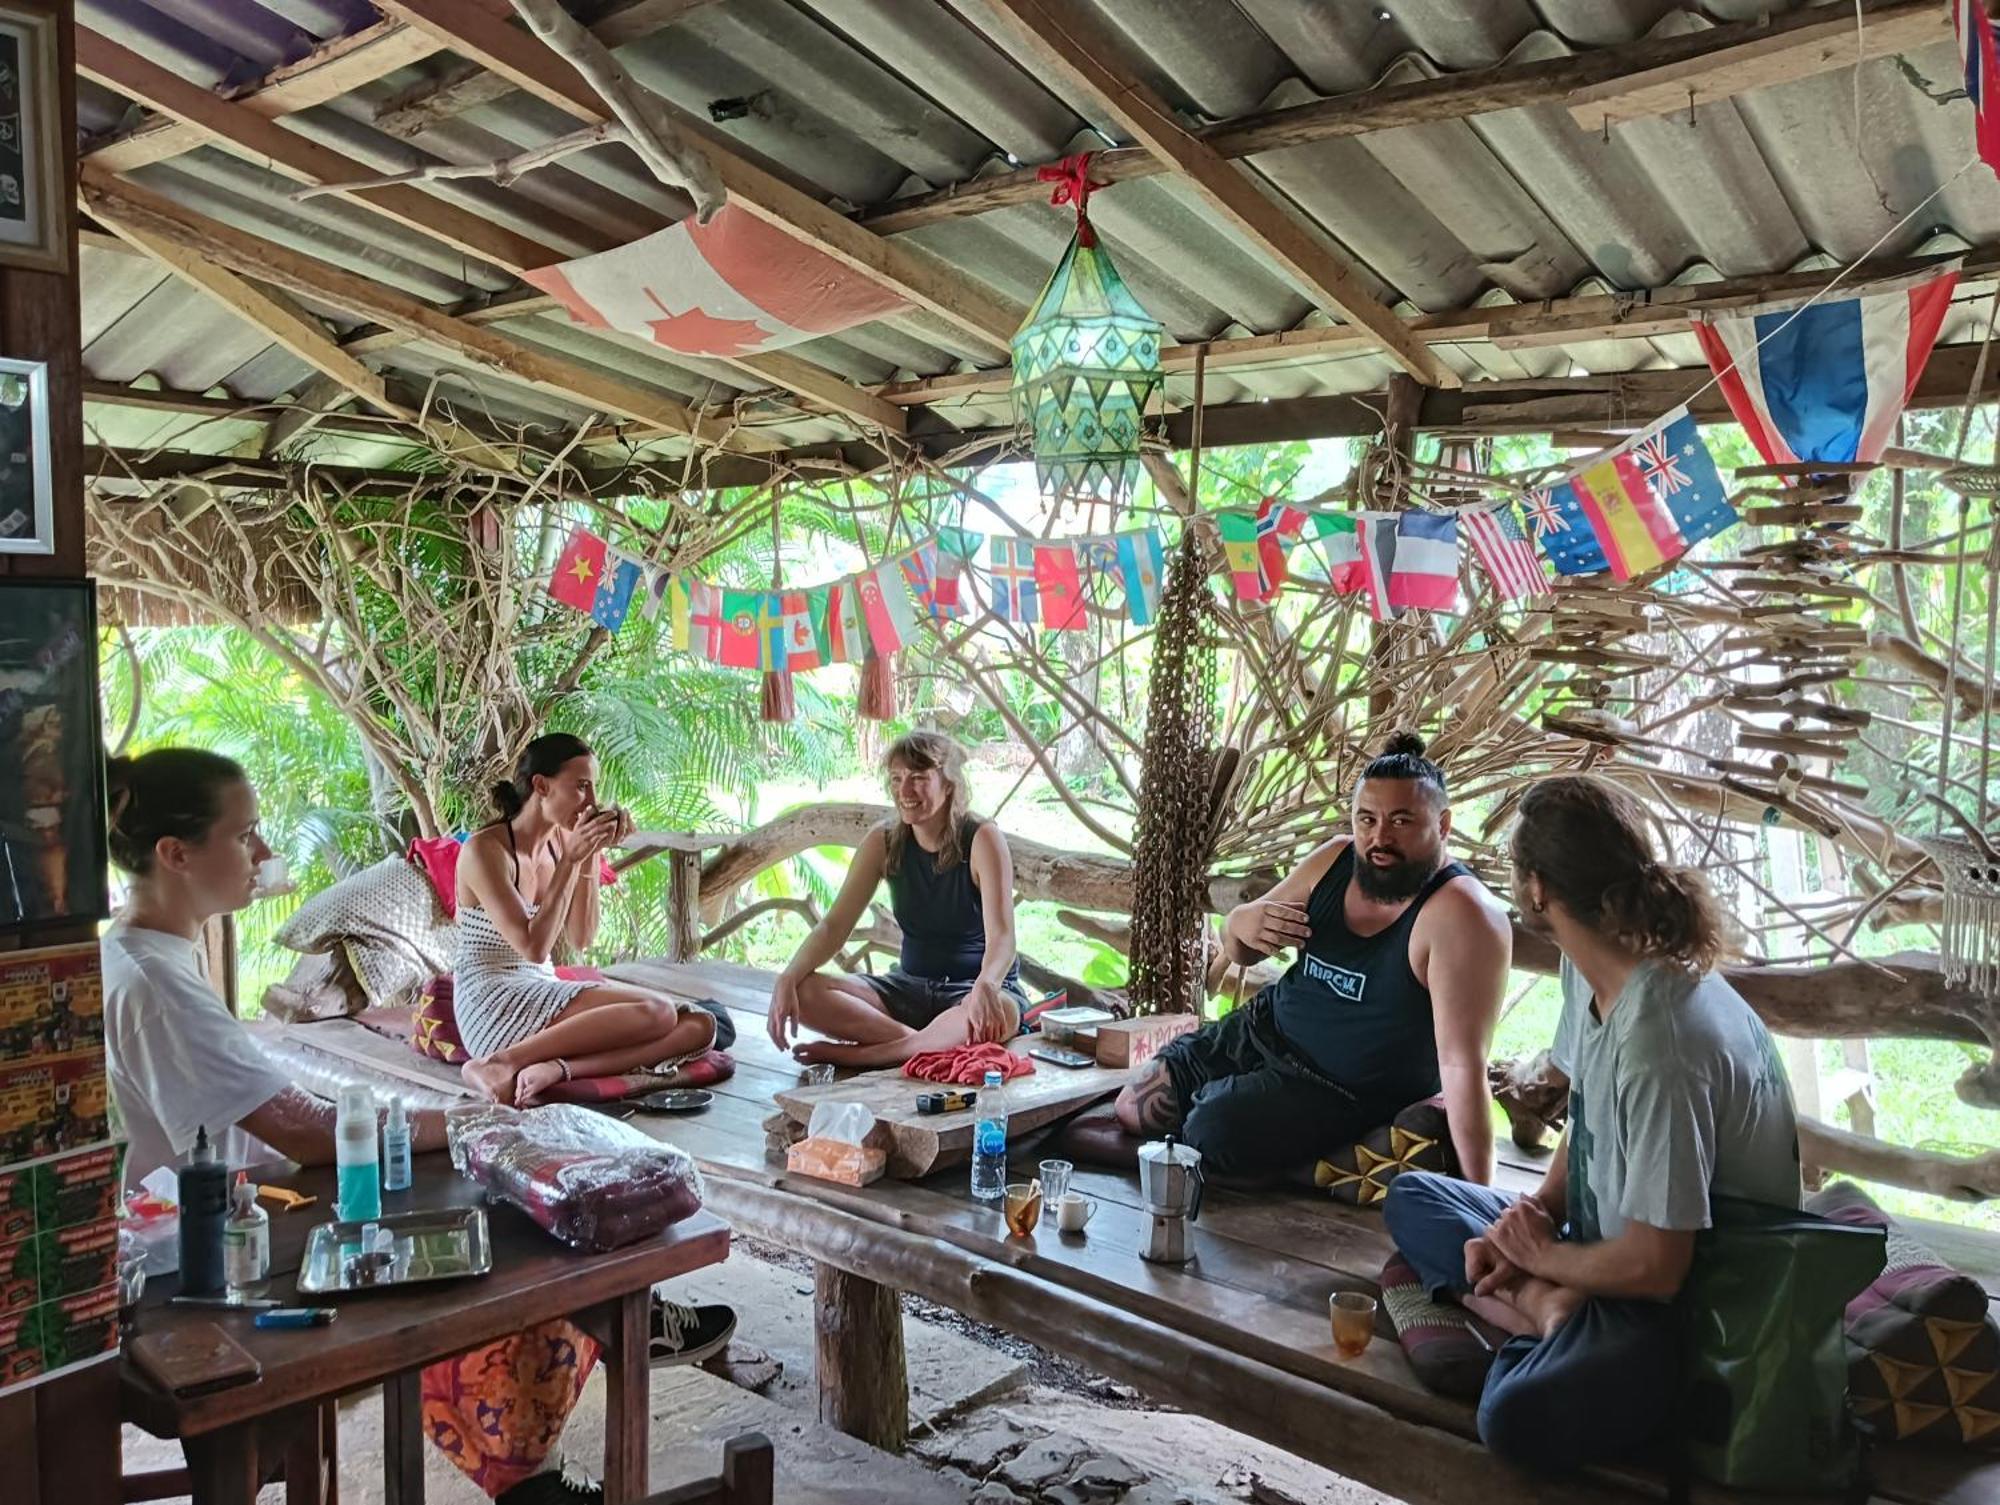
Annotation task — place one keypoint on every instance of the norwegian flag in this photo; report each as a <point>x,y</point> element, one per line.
<point>1505,551</point>
<point>732,287</point>
<point>1979,61</point>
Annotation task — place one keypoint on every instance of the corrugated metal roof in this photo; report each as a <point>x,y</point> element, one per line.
<point>870,100</point>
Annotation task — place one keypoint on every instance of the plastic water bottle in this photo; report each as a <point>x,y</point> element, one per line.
<point>989,1144</point>
<point>358,1173</point>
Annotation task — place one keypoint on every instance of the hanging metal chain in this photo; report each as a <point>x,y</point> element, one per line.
<point>1171,847</point>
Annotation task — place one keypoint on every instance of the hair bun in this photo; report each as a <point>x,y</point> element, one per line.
<point>1403,745</point>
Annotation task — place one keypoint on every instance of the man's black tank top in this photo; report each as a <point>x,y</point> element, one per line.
<point>944,929</point>
<point>1351,1008</point>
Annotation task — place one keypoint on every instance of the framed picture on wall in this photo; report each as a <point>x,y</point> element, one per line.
<point>27,514</point>
<point>31,171</point>
<point>52,851</point>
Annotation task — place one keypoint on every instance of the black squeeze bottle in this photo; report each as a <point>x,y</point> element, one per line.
<point>204,1198</point>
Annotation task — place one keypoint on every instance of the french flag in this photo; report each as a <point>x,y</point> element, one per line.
<point>1424,573</point>
<point>1827,381</point>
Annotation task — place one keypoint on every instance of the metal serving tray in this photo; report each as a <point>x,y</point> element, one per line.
<point>445,1245</point>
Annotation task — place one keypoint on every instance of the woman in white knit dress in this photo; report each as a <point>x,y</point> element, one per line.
<point>525,883</point>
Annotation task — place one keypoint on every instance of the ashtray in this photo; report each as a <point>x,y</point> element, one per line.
<point>413,1248</point>
<point>675,1100</point>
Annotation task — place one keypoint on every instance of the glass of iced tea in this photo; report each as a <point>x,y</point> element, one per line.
<point>1024,1207</point>
<point>1353,1322</point>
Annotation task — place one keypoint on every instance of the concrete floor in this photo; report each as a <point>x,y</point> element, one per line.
<point>982,1431</point>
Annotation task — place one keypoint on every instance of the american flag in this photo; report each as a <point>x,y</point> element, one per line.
<point>1504,549</point>
<point>1980,64</point>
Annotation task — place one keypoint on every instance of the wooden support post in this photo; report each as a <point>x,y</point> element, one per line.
<point>864,1387</point>
<point>1399,433</point>
<point>684,906</point>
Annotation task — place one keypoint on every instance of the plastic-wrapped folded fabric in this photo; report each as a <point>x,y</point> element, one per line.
<point>591,1181</point>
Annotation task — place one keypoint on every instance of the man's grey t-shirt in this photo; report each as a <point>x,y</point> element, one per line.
<point>1677,1093</point>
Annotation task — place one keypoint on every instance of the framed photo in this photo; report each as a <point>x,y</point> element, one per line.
<point>27,511</point>
<point>52,849</point>
<point>33,229</point>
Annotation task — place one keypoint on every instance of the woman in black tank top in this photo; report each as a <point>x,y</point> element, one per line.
<point>951,886</point>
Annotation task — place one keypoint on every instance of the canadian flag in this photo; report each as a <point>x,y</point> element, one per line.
<point>734,286</point>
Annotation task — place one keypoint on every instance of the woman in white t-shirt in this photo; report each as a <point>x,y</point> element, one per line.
<point>183,823</point>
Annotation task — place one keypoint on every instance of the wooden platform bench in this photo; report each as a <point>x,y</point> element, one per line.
<point>1239,1335</point>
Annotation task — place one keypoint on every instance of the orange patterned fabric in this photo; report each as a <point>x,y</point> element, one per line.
<point>496,1412</point>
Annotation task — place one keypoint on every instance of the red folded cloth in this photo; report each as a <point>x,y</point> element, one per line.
<point>438,857</point>
<point>967,1065</point>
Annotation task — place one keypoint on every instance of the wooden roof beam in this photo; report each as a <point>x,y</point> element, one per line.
<point>1552,323</point>
<point>330,70</point>
<point>1719,61</point>
<point>983,320</point>
<point>1074,49</point>
<point>204,239</point>
<point>466,86</point>
<point>252,136</point>
<point>268,143</point>
<point>287,325</point>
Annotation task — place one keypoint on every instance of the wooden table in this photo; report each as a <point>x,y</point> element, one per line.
<point>1240,1334</point>
<point>387,1338</point>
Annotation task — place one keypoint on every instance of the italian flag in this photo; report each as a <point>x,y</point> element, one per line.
<point>1340,542</point>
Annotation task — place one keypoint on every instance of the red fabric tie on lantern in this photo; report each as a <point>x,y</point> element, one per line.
<point>1073,186</point>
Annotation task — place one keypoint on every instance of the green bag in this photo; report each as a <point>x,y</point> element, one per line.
<point>1765,1305</point>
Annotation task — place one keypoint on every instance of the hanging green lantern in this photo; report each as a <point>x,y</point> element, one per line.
<point>1086,361</point>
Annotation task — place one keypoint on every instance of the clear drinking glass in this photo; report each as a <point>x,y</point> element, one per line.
<point>1055,1176</point>
<point>818,1075</point>
<point>1353,1317</point>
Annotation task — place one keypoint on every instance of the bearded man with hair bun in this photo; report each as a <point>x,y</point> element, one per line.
<point>1402,958</point>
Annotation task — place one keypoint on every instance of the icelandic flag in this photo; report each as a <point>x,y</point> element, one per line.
<point>1980,65</point>
<point>731,287</point>
<point>1425,570</point>
<point>1011,563</point>
<point>1827,381</point>
<point>1636,507</point>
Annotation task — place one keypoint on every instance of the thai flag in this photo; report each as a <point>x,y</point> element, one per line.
<point>1980,63</point>
<point>1827,381</point>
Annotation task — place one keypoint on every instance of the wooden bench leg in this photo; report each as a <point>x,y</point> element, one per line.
<point>403,1439</point>
<point>628,1398</point>
<point>222,1466</point>
<point>864,1385</point>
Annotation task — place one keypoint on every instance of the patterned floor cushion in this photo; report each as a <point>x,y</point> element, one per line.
<point>1449,1349</point>
<point>1417,1139</point>
<point>1923,1349</point>
<point>703,1070</point>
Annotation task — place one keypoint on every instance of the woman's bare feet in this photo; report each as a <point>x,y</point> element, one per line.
<point>534,1081</point>
<point>489,1079</point>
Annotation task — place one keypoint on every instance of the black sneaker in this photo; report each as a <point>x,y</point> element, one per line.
<point>556,1487</point>
<point>687,1334</point>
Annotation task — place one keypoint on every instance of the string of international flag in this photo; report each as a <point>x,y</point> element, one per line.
<point>1626,511</point>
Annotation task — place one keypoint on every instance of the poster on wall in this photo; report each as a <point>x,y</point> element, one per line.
<point>31,175</point>
<point>27,512</point>
<point>52,851</point>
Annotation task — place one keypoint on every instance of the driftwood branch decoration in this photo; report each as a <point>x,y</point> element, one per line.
<point>649,126</point>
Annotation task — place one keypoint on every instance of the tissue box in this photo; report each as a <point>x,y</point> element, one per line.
<point>833,1160</point>
<point>1128,1042</point>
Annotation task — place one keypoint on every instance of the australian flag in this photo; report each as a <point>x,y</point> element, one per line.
<point>1636,507</point>
<point>615,587</point>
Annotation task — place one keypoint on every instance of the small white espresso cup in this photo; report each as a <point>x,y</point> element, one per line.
<point>1074,1211</point>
